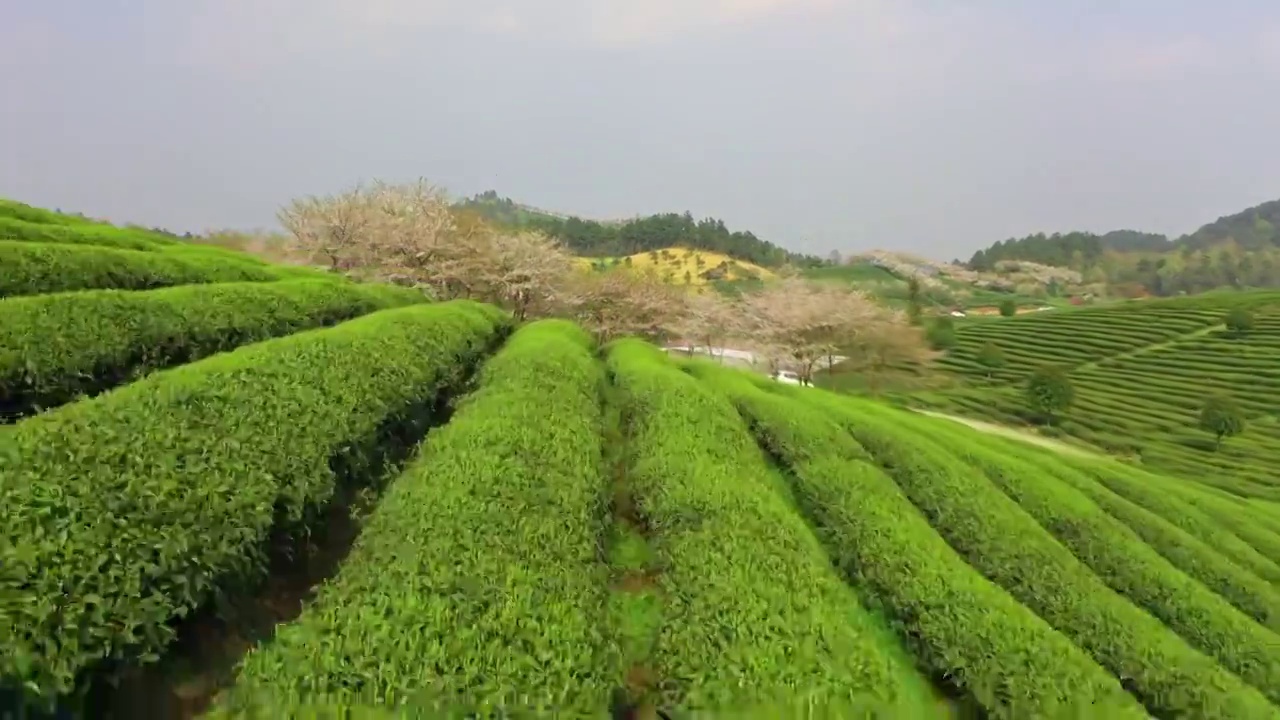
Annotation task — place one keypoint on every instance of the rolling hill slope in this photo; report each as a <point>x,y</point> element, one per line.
<point>547,526</point>
<point>1142,371</point>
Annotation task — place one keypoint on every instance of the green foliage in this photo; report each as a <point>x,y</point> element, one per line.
<point>1221,416</point>
<point>1049,390</point>
<point>1242,584</point>
<point>1008,307</point>
<point>22,211</point>
<point>598,239</point>
<point>941,334</point>
<point>1239,321</point>
<point>102,235</point>
<point>754,617</point>
<point>1120,558</point>
<point>28,268</point>
<point>1001,540</point>
<point>961,626</point>
<point>1141,372</point>
<point>56,347</point>
<point>122,513</point>
<point>481,556</point>
<point>991,357</point>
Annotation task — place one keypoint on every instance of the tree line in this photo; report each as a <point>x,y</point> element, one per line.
<point>1241,250</point>
<point>591,238</point>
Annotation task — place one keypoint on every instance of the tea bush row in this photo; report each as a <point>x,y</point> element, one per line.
<point>1007,545</point>
<point>121,513</point>
<point>34,268</point>
<point>101,235</point>
<point>1147,491</point>
<point>476,582</point>
<point>1121,559</point>
<point>1190,554</point>
<point>754,618</point>
<point>58,346</point>
<point>963,628</point>
<point>22,211</point>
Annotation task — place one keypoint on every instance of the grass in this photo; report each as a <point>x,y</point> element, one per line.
<point>598,532</point>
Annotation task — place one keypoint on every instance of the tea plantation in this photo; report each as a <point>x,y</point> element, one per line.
<point>1141,373</point>
<point>512,521</point>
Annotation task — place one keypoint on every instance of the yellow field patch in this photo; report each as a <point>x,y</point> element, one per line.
<point>683,266</point>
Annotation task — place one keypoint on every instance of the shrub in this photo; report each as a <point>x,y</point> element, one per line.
<point>991,357</point>
<point>55,347</point>
<point>1222,417</point>
<point>1120,558</point>
<point>962,627</point>
<point>1005,544</point>
<point>1239,321</point>
<point>1049,391</point>
<point>102,235</point>
<point>124,512</point>
<point>941,333</point>
<point>481,556</point>
<point>34,268</point>
<point>753,614</point>
<point>1008,307</point>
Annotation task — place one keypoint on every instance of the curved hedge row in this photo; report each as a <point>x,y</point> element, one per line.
<point>121,513</point>
<point>480,557</point>
<point>82,234</point>
<point>28,268</point>
<point>1252,595</point>
<point>998,537</point>
<point>1140,489</point>
<point>964,628</point>
<point>1118,556</point>
<point>754,618</point>
<point>29,213</point>
<point>56,347</point>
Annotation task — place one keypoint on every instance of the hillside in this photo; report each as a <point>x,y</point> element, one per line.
<point>683,266</point>
<point>604,239</point>
<point>1236,251</point>
<point>276,496</point>
<point>1141,373</point>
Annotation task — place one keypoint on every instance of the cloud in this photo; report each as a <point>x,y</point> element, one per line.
<point>221,31</point>
<point>1268,47</point>
<point>1143,58</point>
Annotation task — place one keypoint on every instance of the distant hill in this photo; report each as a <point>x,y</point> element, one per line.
<point>1240,251</point>
<point>618,238</point>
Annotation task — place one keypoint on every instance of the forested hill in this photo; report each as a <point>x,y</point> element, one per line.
<point>593,238</point>
<point>1257,228</point>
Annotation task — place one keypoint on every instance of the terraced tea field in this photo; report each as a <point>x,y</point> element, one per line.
<point>287,497</point>
<point>1141,372</point>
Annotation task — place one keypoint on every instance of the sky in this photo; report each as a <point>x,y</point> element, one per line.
<point>926,126</point>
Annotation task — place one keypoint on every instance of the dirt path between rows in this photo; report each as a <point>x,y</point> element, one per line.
<point>1003,431</point>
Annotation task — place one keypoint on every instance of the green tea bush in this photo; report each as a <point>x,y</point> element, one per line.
<point>998,538</point>
<point>22,211</point>
<point>1149,493</point>
<point>121,513</point>
<point>56,347</point>
<point>102,235</point>
<point>1252,595</point>
<point>962,627</point>
<point>753,614</point>
<point>1119,557</point>
<point>476,582</point>
<point>33,268</point>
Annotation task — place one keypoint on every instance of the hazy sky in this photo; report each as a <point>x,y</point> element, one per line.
<point>924,125</point>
